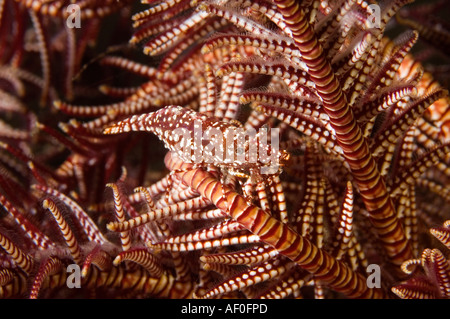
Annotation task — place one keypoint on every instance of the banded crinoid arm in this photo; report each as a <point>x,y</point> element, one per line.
<point>442,233</point>
<point>355,148</point>
<point>142,257</point>
<point>398,125</point>
<point>182,88</point>
<point>50,266</point>
<point>245,280</point>
<point>125,237</point>
<point>253,255</point>
<point>22,260</point>
<point>430,274</point>
<point>89,227</point>
<point>437,115</point>
<point>106,278</point>
<point>162,123</point>
<point>161,213</point>
<point>69,237</point>
<point>39,239</point>
<point>136,282</point>
<point>289,243</point>
<point>428,19</point>
<point>433,283</point>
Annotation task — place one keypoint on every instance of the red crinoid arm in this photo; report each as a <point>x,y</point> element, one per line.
<point>199,215</point>
<point>356,256</point>
<point>407,176</point>
<point>333,20</point>
<point>71,63</point>
<point>442,233</point>
<point>125,236</point>
<point>349,136</point>
<point>6,276</point>
<point>308,125</point>
<point>9,102</point>
<point>50,266</point>
<point>304,217</point>
<point>165,212</point>
<point>435,188</point>
<point>276,44</point>
<point>130,65</point>
<point>415,288</point>
<point>38,238</point>
<point>188,46</point>
<point>407,266</point>
<point>178,194</point>
<point>164,40</point>
<point>140,102</point>
<point>152,28</point>
<point>228,104</point>
<point>403,155</point>
<point>290,285</point>
<point>118,92</point>
<point>394,128</point>
<point>347,61</point>
<point>183,98</point>
<point>98,257</point>
<point>142,257</point>
<point>435,283</point>
<point>384,77</point>
<point>99,9</point>
<point>344,231</point>
<point>259,66</point>
<point>21,156</point>
<point>220,230</point>
<point>332,203</point>
<point>256,118</point>
<point>67,233</point>
<point>86,223</point>
<point>209,102</point>
<point>437,270</point>
<point>279,198</point>
<point>271,231</point>
<point>302,105</point>
<point>382,101</point>
<point>73,146</point>
<point>144,233</point>
<point>165,8</point>
<point>250,256</point>
<point>9,132</point>
<point>18,286</point>
<point>254,275</point>
<point>238,238</point>
<point>407,208</point>
<point>223,269</point>
<point>132,280</point>
<point>45,60</point>
<point>53,8</point>
<point>233,16</point>
<point>434,34</point>
<point>22,260</point>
